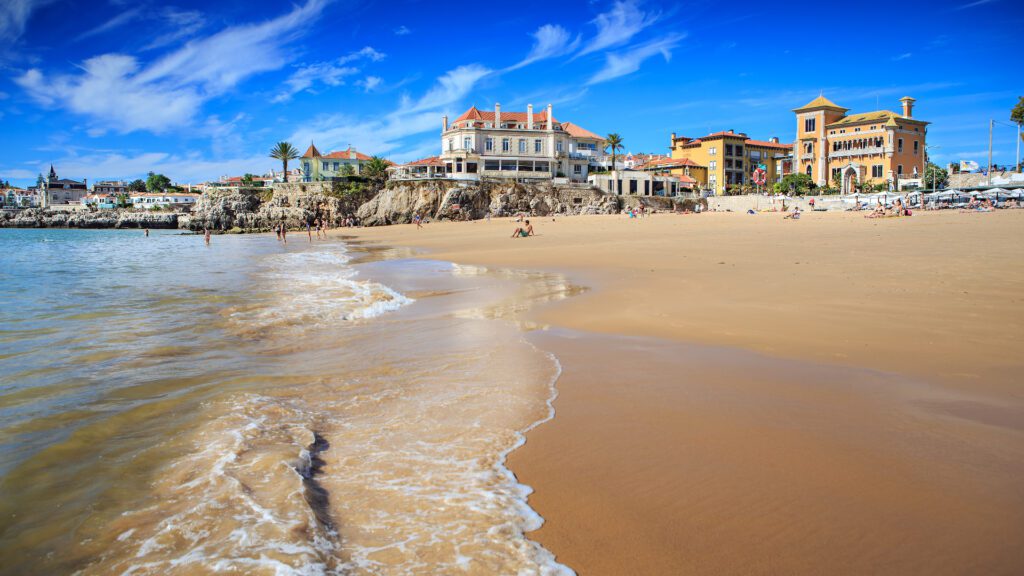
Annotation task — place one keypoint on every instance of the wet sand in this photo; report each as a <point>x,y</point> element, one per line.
<point>853,403</point>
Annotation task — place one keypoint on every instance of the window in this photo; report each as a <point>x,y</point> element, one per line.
<point>491,165</point>
<point>467,143</point>
<point>728,163</point>
<point>558,146</point>
<point>809,125</point>
<point>808,169</point>
<point>809,148</point>
<point>506,145</point>
<point>713,165</point>
<point>916,146</point>
<point>577,169</point>
<point>835,172</point>
<point>537,146</point>
<point>522,146</point>
<point>712,151</point>
<point>489,144</point>
<point>728,149</point>
<point>899,170</point>
<point>325,165</point>
<point>739,150</point>
<point>899,145</point>
<point>451,144</point>
<point>876,171</point>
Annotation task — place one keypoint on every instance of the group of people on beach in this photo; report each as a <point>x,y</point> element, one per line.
<point>898,209</point>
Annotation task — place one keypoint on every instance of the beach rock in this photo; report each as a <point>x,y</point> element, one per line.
<point>261,209</point>
<point>40,218</point>
<point>399,202</point>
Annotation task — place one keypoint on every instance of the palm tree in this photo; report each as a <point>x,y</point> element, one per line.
<point>284,151</point>
<point>376,169</point>
<point>614,141</point>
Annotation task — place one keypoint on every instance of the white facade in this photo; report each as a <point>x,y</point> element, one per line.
<point>517,145</point>
<point>148,201</point>
<point>637,183</point>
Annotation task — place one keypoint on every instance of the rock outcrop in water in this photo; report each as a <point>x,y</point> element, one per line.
<point>41,218</point>
<point>261,209</point>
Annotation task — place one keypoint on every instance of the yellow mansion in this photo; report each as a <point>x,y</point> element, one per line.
<point>854,150</point>
<point>723,161</point>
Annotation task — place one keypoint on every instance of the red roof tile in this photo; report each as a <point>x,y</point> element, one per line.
<point>431,161</point>
<point>577,131</point>
<point>311,152</point>
<point>769,144</point>
<point>475,113</point>
<point>347,154</point>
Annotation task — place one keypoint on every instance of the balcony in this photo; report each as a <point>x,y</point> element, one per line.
<point>807,156</point>
<point>869,151</point>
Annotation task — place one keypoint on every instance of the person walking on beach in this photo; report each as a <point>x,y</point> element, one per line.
<point>526,230</point>
<point>309,232</point>
<point>418,220</point>
<point>284,233</point>
<point>277,230</point>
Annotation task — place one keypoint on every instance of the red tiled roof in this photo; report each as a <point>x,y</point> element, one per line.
<point>669,162</point>
<point>431,161</point>
<point>769,144</point>
<point>576,131</point>
<point>476,114</point>
<point>685,179</point>
<point>346,154</point>
<point>311,152</point>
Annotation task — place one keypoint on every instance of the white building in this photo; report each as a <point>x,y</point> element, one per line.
<point>517,145</point>
<point>149,201</point>
<point>637,183</point>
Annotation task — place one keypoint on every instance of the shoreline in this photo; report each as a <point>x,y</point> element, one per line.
<point>981,405</point>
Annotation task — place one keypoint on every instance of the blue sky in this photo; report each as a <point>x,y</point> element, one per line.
<point>196,90</point>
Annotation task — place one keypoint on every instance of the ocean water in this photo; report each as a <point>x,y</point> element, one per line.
<point>168,407</point>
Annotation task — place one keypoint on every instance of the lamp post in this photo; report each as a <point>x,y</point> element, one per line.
<point>926,149</point>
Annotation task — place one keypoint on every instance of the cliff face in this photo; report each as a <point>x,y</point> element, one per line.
<point>39,218</point>
<point>399,202</point>
<point>255,210</point>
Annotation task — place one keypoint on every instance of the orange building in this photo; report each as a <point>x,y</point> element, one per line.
<point>854,150</point>
<point>725,160</point>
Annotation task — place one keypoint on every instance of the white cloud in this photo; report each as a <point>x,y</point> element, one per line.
<point>182,24</point>
<point>549,41</point>
<point>389,134</point>
<point>623,63</point>
<point>117,93</point>
<point>370,83</point>
<point>402,31</point>
<point>619,25</point>
<point>903,56</point>
<point>328,73</point>
<point>115,22</point>
<point>14,15</point>
<point>973,4</point>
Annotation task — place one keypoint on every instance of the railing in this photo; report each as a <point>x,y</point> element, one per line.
<point>857,152</point>
<point>807,156</point>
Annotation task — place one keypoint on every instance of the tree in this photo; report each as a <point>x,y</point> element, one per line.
<point>934,173</point>
<point>137,185</point>
<point>347,170</point>
<point>1017,114</point>
<point>614,142</point>
<point>284,151</point>
<point>247,180</point>
<point>799,183</point>
<point>157,182</point>
<point>376,169</point>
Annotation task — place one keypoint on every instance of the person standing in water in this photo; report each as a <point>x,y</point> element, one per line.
<point>309,232</point>
<point>277,230</point>
<point>147,232</point>
<point>284,233</point>
<point>206,235</point>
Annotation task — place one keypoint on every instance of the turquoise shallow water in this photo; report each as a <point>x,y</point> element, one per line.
<point>168,407</point>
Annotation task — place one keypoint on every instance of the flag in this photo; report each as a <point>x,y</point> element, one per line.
<point>968,165</point>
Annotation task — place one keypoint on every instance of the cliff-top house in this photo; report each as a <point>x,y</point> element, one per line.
<point>317,167</point>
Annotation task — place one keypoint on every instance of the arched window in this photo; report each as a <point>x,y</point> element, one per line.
<point>808,169</point>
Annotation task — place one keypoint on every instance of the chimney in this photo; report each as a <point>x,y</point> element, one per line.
<point>529,116</point>
<point>497,115</point>
<point>551,125</point>
<point>774,139</point>
<point>351,152</point>
<point>730,131</point>
<point>444,123</point>
<point>908,106</point>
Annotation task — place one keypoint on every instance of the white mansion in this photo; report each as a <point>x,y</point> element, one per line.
<point>517,145</point>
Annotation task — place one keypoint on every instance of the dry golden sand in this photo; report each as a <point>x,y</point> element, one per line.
<point>853,403</point>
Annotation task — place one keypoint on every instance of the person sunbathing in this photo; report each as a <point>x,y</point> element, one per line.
<point>794,215</point>
<point>524,231</point>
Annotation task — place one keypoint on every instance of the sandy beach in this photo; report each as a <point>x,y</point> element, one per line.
<point>748,395</point>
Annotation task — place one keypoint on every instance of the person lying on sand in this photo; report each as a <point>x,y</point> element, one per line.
<point>794,215</point>
<point>524,231</point>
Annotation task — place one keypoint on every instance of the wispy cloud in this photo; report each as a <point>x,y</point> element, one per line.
<point>181,24</point>
<point>326,73</point>
<point>903,56</point>
<point>370,83</point>
<point>116,22</point>
<point>629,61</point>
<point>549,41</point>
<point>14,15</point>
<point>118,93</point>
<point>402,31</point>
<point>619,25</point>
<point>973,4</point>
<point>395,133</point>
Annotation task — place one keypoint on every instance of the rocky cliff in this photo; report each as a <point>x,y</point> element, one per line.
<point>40,218</point>
<point>399,202</point>
<point>261,209</point>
